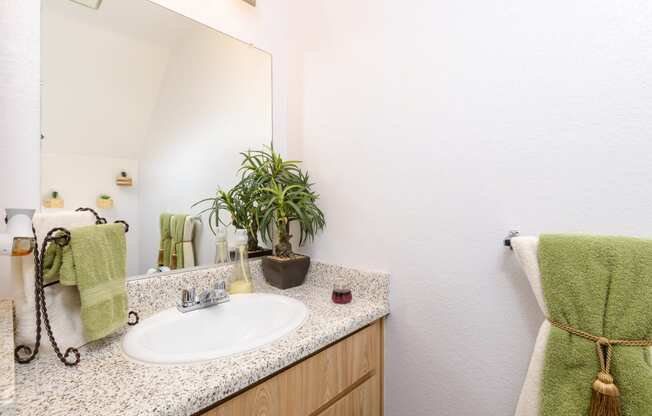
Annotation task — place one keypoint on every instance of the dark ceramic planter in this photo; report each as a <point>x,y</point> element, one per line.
<point>285,273</point>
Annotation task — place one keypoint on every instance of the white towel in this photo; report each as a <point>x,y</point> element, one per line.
<point>529,403</point>
<point>63,302</point>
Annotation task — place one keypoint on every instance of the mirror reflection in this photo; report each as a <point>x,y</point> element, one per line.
<point>145,112</point>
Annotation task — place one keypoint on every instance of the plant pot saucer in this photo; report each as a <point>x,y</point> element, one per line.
<point>260,252</point>
<point>285,272</point>
<point>254,254</point>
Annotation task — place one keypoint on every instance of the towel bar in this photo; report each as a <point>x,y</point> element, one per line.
<point>98,221</point>
<point>507,241</point>
<point>61,237</point>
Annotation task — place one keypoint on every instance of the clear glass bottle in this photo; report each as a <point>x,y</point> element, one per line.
<point>241,274</point>
<point>221,247</point>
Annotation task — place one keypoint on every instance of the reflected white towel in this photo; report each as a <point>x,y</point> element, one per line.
<point>62,301</point>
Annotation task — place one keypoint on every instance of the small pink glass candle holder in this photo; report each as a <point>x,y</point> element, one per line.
<point>341,292</point>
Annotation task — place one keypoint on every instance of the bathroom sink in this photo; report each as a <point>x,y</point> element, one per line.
<point>242,324</point>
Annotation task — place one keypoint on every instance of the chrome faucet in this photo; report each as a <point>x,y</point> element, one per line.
<point>211,297</point>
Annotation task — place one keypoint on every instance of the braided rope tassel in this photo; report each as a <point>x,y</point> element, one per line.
<point>605,398</point>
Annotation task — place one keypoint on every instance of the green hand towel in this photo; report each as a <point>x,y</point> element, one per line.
<point>177,226</point>
<point>95,262</point>
<point>52,263</point>
<point>601,285</point>
<point>165,250</point>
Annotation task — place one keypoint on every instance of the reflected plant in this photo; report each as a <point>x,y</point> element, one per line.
<point>240,203</point>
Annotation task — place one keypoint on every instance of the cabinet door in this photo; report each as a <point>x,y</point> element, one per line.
<point>332,372</point>
<point>317,383</point>
<point>362,401</point>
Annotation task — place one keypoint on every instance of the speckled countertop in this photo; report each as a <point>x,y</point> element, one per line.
<point>7,374</point>
<point>107,383</point>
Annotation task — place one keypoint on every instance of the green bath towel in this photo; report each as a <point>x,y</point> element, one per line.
<point>165,249</point>
<point>602,285</point>
<point>177,225</point>
<point>95,262</point>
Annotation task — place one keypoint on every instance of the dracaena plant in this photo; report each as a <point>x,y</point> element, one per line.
<point>284,195</point>
<point>240,203</point>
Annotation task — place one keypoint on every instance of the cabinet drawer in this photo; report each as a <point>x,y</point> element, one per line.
<point>350,369</point>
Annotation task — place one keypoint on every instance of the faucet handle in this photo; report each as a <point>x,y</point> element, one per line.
<point>221,295</point>
<point>188,296</point>
<point>186,299</point>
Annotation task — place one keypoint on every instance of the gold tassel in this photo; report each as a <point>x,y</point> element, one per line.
<point>605,400</point>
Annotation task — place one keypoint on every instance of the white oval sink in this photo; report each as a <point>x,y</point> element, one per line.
<point>242,324</point>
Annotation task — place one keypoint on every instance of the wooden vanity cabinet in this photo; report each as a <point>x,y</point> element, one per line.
<point>344,379</point>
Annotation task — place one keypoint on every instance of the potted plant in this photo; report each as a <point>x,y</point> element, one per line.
<point>285,196</point>
<point>104,201</point>
<point>240,203</point>
<point>54,201</point>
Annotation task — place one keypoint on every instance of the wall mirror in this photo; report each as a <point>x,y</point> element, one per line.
<point>144,112</point>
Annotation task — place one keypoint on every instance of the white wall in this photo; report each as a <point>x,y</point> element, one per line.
<point>19,115</point>
<point>266,26</point>
<point>452,122</point>
<point>206,114</point>
<point>97,103</point>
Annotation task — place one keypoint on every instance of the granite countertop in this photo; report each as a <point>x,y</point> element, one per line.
<point>108,383</point>
<point>7,374</point>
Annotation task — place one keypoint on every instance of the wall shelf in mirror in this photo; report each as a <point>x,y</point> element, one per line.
<point>124,180</point>
<point>53,203</point>
<point>53,200</point>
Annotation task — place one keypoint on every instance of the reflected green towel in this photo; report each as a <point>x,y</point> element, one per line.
<point>95,262</point>
<point>165,248</point>
<point>602,285</point>
<point>177,225</point>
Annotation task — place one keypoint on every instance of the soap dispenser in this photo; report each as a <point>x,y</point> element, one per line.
<point>241,274</point>
<point>221,247</point>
